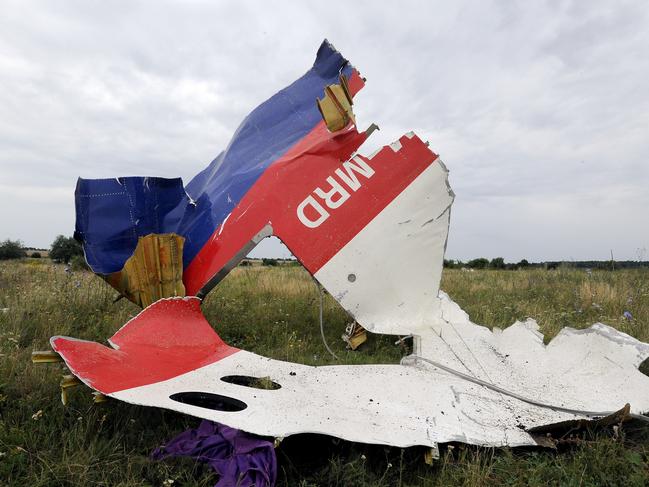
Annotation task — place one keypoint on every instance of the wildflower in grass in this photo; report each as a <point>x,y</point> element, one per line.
<point>37,415</point>
<point>627,315</point>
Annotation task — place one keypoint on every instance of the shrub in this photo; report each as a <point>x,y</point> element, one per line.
<point>452,264</point>
<point>35,255</point>
<point>497,263</point>
<point>64,248</point>
<point>480,263</point>
<point>78,263</point>
<point>12,249</point>
<point>270,262</point>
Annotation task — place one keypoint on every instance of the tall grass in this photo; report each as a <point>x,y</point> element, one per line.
<point>274,311</point>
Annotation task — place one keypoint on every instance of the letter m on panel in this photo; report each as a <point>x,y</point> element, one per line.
<point>347,172</point>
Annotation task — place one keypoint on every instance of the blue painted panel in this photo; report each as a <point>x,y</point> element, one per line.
<point>113,213</point>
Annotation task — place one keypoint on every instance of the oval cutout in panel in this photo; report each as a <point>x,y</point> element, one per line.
<point>263,383</point>
<point>208,400</point>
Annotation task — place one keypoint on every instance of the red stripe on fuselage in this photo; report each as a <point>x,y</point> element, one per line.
<point>259,204</point>
<point>275,197</point>
<point>393,172</point>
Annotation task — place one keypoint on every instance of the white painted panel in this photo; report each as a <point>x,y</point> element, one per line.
<point>388,275</point>
<point>418,404</point>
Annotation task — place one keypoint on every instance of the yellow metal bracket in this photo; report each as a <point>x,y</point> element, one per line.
<point>336,106</point>
<point>355,335</point>
<point>153,272</point>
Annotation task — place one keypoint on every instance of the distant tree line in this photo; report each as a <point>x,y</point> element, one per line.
<point>499,263</point>
<point>64,249</point>
<point>68,250</point>
<point>279,261</point>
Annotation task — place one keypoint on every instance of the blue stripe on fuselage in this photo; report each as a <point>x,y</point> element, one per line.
<point>112,214</point>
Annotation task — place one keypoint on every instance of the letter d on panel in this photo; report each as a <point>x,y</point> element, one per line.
<point>318,209</point>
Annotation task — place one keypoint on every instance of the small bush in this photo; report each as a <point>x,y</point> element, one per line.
<point>12,249</point>
<point>480,263</point>
<point>270,262</point>
<point>78,263</point>
<point>452,264</point>
<point>64,248</point>
<point>36,255</point>
<point>497,263</point>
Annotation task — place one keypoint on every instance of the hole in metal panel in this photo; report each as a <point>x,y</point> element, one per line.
<point>351,277</point>
<point>208,400</point>
<point>254,382</point>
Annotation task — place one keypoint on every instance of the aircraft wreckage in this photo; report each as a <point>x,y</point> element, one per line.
<point>372,231</point>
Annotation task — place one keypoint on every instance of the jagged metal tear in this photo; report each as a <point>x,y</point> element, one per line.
<point>411,403</point>
<point>378,248</point>
<point>396,264</point>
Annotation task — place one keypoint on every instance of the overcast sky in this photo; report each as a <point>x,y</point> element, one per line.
<point>539,109</point>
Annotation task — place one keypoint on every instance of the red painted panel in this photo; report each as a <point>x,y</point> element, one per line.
<point>393,172</point>
<point>167,339</point>
<point>259,206</point>
<point>275,197</point>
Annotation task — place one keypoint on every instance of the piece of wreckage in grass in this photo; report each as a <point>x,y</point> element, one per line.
<point>372,230</point>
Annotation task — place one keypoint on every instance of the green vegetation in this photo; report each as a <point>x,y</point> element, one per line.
<point>499,263</point>
<point>273,310</point>
<point>480,263</point>
<point>12,249</point>
<point>65,248</point>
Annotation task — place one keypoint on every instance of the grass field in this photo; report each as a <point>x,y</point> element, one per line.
<point>274,311</point>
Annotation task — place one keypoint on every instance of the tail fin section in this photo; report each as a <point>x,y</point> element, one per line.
<point>380,252</point>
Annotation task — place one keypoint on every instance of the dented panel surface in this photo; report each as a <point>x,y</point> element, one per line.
<point>372,230</point>
<point>113,213</point>
<point>409,404</point>
<point>387,276</point>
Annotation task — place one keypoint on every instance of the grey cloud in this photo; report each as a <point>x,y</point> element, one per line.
<point>539,109</point>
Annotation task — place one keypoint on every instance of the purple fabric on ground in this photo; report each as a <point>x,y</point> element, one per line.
<point>240,459</point>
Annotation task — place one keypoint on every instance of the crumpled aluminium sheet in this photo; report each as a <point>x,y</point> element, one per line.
<point>372,230</point>
<point>412,403</point>
<point>279,153</point>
